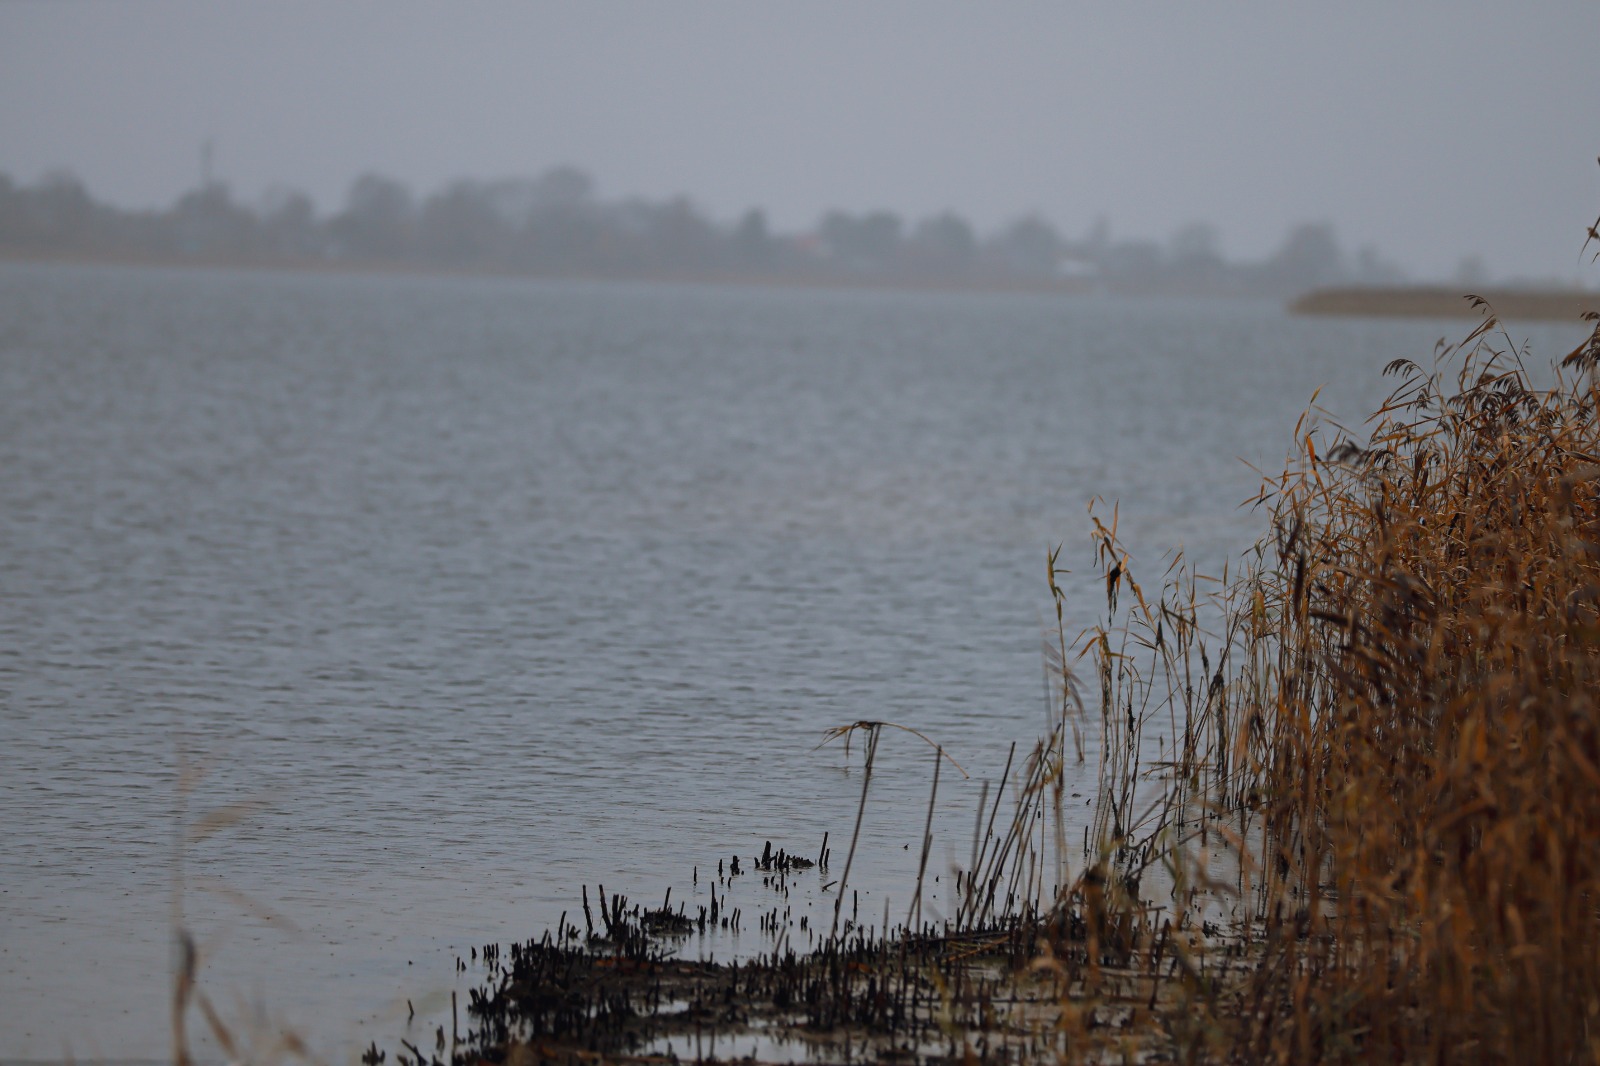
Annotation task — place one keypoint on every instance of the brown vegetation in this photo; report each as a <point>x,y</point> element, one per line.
<point>1438,301</point>
<point>1402,739</point>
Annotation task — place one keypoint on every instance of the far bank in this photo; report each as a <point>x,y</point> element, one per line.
<point>1438,301</point>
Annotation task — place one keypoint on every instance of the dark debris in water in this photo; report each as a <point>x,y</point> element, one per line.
<point>928,996</point>
<point>579,999</point>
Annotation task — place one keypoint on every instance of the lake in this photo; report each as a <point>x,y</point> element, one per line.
<point>481,590</point>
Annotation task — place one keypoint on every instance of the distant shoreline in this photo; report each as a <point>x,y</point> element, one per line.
<point>402,269</point>
<point>1412,301</point>
<point>1438,301</point>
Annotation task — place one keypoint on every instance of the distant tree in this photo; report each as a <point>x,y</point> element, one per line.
<point>1196,244</point>
<point>563,231</point>
<point>460,226</point>
<point>681,240</point>
<point>56,213</point>
<point>558,240</point>
<point>837,231</point>
<point>377,221</point>
<point>866,244</point>
<point>942,246</point>
<point>1310,257</point>
<point>206,222</point>
<point>1029,247</point>
<point>11,211</point>
<point>1132,265</point>
<point>564,186</point>
<point>289,224</point>
<point>752,244</point>
<point>1195,260</point>
<point>880,234</point>
<point>518,200</point>
<point>553,225</point>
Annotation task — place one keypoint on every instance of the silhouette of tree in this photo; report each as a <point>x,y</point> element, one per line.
<point>553,225</point>
<point>1310,257</point>
<point>377,221</point>
<point>869,244</point>
<point>207,223</point>
<point>753,247</point>
<point>289,225</point>
<point>943,246</point>
<point>1030,247</point>
<point>460,227</point>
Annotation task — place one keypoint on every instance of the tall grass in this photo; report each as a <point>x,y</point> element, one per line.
<point>1389,723</point>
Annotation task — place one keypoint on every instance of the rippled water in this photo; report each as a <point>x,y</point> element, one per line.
<point>489,589</point>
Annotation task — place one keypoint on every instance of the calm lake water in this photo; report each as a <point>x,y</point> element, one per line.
<point>486,589</point>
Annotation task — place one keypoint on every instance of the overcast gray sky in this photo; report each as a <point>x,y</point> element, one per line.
<point>1432,130</point>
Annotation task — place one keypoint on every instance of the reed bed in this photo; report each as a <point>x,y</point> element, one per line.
<point>1392,735</point>
<point>1417,734</point>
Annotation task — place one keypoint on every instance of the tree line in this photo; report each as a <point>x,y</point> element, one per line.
<point>554,225</point>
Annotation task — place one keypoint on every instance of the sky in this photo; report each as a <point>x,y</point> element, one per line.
<point>1432,131</point>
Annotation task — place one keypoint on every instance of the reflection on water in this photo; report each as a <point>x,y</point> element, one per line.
<point>491,589</point>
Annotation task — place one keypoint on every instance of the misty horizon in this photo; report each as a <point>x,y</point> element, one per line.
<point>1368,263</point>
<point>1437,133</point>
<point>557,225</point>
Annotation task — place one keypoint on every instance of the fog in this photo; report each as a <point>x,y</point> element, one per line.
<point>1435,132</point>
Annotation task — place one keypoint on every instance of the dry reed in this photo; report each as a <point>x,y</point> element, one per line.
<point>1392,731</point>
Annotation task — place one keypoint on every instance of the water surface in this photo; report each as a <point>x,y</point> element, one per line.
<point>489,589</point>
